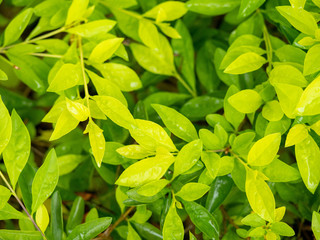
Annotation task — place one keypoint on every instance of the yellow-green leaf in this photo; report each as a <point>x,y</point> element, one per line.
<point>212,161</point>
<point>192,191</point>
<point>311,63</point>
<point>65,124</point>
<point>247,62</point>
<point>272,111</point>
<point>259,195</point>
<point>152,188</point>
<point>151,135</point>
<point>5,194</point>
<point>77,110</point>
<point>5,126</point>
<point>173,227</point>
<point>296,134</point>
<point>299,18</point>
<point>145,171</point>
<point>309,102</point>
<point>316,224</point>
<point>97,141</point>
<point>76,10</point>
<point>105,49</point>
<point>42,218</point>
<point>172,10</point>
<point>264,150</point>
<point>116,111</point>
<point>246,101</point>
<point>67,76</point>
<point>307,155</point>
<point>3,76</point>
<point>134,152</point>
<point>93,28</point>
<point>67,163</point>
<point>148,33</point>
<point>287,74</point>
<point>316,127</point>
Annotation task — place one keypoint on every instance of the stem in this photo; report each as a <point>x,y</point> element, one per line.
<point>22,205</point>
<point>269,50</point>
<point>87,95</point>
<point>107,233</point>
<point>179,78</point>
<point>45,55</point>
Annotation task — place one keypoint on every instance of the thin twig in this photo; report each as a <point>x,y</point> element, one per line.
<point>22,205</point>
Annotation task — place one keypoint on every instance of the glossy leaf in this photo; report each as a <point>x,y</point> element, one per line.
<point>89,230</point>
<point>173,226</point>
<point>5,194</point>
<point>17,152</point>
<point>76,10</point>
<point>178,124</point>
<point>311,64</point>
<point>145,171</point>
<point>297,134</point>
<point>202,219</point>
<point>42,218</point>
<point>93,28</point>
<point>76,214</point>
<point>264,150</point>
<point>5,126</point>
<point>20,234</point>
<point>259,196</point>
<point>152,188</point>
<point>17,26</point>
<point>272,111</point>
<point>192,191</point>
<point>316,224</point>
<point>246,101</point>
<point>104,50</point>
<point>212,7</point>
<point>56,216</point>
<point>171,10</point>
<point>249,6</point>
<point>45,180</point>
<point>307,153</point>
<point>77,110</point>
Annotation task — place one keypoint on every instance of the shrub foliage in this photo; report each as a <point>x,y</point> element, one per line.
<point>151,119</point>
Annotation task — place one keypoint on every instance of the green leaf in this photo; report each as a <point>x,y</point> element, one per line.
<point>299,18</point>
<point>212,161</point>
<point>16,154</point>
<point>316,224</point>
<point>67,163</point>
<point>311,65</point>
<point>287,74</point>
<point>56,216</point>
<point>97,141</point>
<point>192,191</point>
<point>259,195</point>
<point>152,188</point>
<point>289,96</point>
<point>5,194</point>
<point>134,152</point>
<point>242,142</point>
<point>8,212</point>
<point>278,171</point>
<point>89,230</point>
<point>184,53</point>
<point>68,76</point>
<point>45,180</point>
<point>122,76</point>
<point>232,115</point>
<point>212,7</point>
<point>178,124</point>
<point>149,34</point>
<point>145,171</point>
<point>203,220</point>
<point>272,111</point>
<point>173,227</point>
<point>3,76</point>
<point>253,220</point>
<point>93,28</point>
<point>168,11</point>
<point>42,218</point>
<point>76,10</point>
<point>307,155</point>
<point>16,26</point>
<point>249,6</point>
<point>264,150</point>
<point>308,104</point>
<point>132,234</point>
<point>158,61</point>
<point>187,157</point>
<point>66,123</point>
<point>77,110</point>
<point>76,214</point>
<point>116,111</point>
<point>247,62</point>
<point>296,134</point>
<point>104,50</point>
<point>218,192</point>
<point>151,136</point>
<point>20,234</point>
<point>282,229</point>
<point>5,126</point>
<point>246,101</point>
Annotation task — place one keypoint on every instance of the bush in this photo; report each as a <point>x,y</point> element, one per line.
<point>151,119</point>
